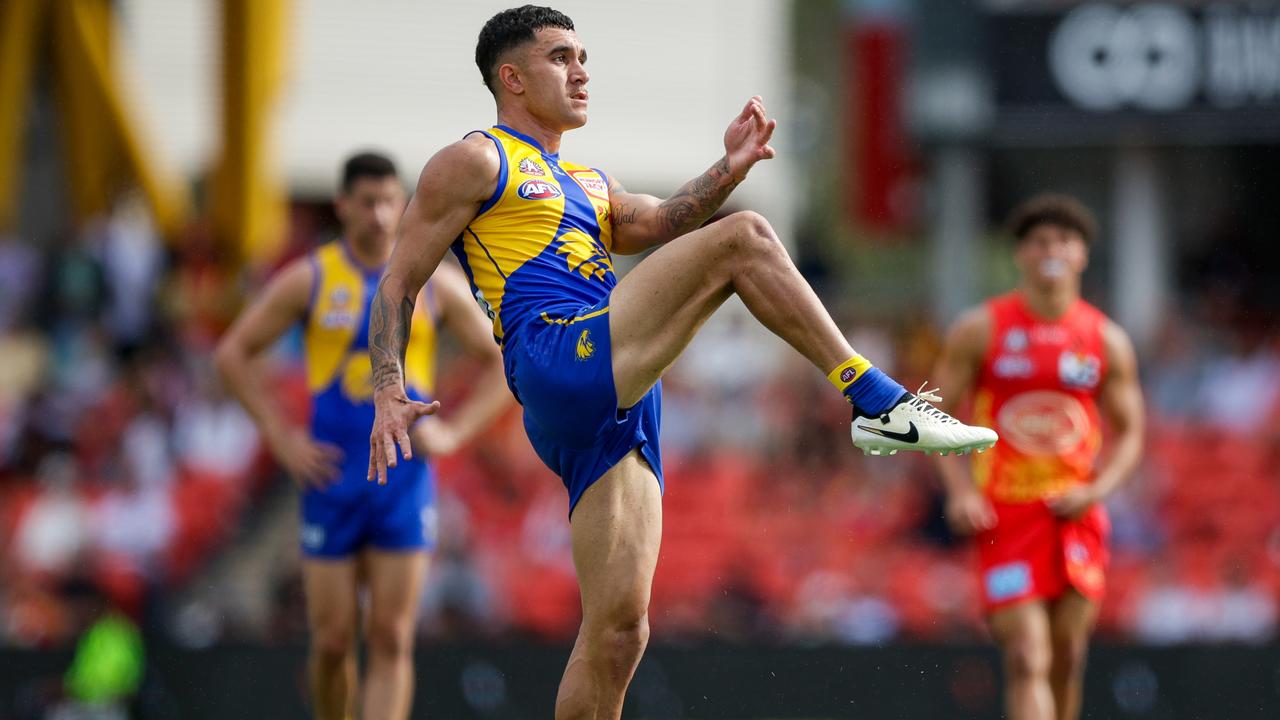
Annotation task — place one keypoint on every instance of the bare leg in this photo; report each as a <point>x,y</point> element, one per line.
<point>617,527</point>
<point>658,307</point>
<point>330,589</point>
<point>1071,619</point>
<point>1022,631</point>
<point>395,585</point>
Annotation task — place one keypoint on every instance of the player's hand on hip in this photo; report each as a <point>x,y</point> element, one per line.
<point>746,142</point>
<point>435,438</point>
<point>311,463</point>
<point>970,512</point>
<point>1073,503</point>
<point>394,414</point>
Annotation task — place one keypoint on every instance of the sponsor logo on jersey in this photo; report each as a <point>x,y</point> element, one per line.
<point>1008,581</point>
<point>538,190</point>
<point>430,524</point>
<point>337,314</point>
<point>591,181</point>
<point>1043,422</point>
<point>1013,366</point>
<point>1050,335</point>
<point>586,348</point>
<point>529,166</point>
<point>337,319</point>
<point>1079,370</point>
<point>485,306</point>
<point>312,536</point>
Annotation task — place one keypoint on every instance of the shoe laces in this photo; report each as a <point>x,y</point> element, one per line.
<point>920,402</point>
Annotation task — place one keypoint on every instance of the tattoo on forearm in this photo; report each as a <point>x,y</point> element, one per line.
<point>388,336</point>
<point>697,200</point>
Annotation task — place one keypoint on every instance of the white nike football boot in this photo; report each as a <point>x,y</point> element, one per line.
<point>914,424</point>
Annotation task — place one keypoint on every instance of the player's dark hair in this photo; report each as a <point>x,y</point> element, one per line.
<point>366,165</point>
<point>1052,209</point>
<point>512,28</point>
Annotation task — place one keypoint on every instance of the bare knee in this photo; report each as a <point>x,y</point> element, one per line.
<point>624,631</point>
<point>748,233</point>
<point>626,640</point>
<point>1069,657</point>
<point>390,638</point>
<point>331,643</point>
<point>1026,660</point>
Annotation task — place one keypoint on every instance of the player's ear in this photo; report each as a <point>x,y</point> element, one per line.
<point>509,77</point>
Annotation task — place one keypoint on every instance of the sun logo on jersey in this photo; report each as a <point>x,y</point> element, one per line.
<point>586,348</point>
<point>530,167</point>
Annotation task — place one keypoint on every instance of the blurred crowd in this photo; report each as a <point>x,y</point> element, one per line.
<point>124,466</point>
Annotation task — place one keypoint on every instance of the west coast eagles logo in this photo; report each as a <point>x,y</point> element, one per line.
<point>528,166</point>
<point>586,348</point>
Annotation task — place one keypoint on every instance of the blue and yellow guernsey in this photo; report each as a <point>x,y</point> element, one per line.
<point>539,247</point>
<point>336,349</point>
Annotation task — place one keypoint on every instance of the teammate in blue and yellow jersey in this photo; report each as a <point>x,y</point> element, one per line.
<point>355,533</point>
<point>583,350</point>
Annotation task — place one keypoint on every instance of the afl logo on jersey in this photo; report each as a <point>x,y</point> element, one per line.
<point>538,190</point>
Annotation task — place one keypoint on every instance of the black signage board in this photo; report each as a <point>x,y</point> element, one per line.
<point>1149,72</point>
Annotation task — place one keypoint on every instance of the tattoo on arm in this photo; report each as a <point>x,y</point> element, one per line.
<point>624,215</point>
<point>388,336</point>
<point>697,200</point>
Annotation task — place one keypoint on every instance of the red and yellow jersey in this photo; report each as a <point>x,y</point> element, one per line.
<point>541,244</point>
<point>1037,387</point>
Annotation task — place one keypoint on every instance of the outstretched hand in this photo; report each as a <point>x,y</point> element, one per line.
<point>394,414</point>
<point>746,142</point>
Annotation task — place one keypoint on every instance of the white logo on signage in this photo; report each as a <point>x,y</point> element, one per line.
<point>1158,56</point>
<point>1146,56</point>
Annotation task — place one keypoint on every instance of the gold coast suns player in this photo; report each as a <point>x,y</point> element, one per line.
<point>584,351</point>
<point>353,534</point>
<point>1045,368</point>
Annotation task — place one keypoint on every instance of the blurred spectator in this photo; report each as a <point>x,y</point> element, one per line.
<point>122,461</point>
<point>53,533</point>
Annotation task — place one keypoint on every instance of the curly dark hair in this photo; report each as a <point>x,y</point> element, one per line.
<point>512,28</point>
<point>1053,209</point>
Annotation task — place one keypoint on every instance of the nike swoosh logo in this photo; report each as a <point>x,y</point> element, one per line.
<point>910,436</point>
